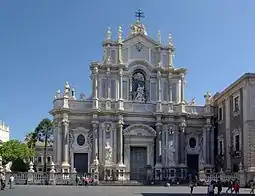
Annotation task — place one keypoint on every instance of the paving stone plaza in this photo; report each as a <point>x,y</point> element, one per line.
<point>106,191</point>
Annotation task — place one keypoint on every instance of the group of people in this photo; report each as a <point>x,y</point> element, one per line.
<point>233,187</point>
<point>3,181</point>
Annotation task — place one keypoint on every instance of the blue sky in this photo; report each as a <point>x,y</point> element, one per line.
<point>43,43</point>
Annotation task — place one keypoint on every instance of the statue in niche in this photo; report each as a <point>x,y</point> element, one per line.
<point>140,93</point>
<point>108,153</point>
<point>171,152</point>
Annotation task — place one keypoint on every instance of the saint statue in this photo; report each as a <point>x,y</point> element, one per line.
<point>108,153</point>
<point>140,93</point>
<point>170,153</point>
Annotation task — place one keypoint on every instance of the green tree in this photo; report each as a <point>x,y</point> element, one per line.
<point>16,152</point>
<point>31,139</point>
<point>44,133</point>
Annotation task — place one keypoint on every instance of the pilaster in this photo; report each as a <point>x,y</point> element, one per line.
<point>182,103</point>
<point>59,143</point>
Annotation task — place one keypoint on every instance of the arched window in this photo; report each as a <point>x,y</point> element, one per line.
<point>138,87</point>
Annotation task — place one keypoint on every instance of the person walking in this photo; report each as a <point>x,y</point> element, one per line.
<point>191,185</point>
<point>230,186</point>
<point>219,186</point>
<point>252,185</point>
<point>210,189</point>
<point>11,181</point>
<point>236,187</point>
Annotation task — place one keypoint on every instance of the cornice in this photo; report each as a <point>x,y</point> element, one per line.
<point>232,88</point>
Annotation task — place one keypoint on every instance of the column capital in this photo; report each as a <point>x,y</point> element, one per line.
<point>158,74</point>
<point>207,127</point>
<point>65,122</point>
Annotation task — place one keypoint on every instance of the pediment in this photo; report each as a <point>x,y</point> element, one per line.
<point>143,39</point>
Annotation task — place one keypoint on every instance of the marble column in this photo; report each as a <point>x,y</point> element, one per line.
<point>182,89</point>
<point>59,144</point>
<point>159,106</point>
<point>95,87</point>
<point>205,144</point>
<point>170,94</point>
<point>95,139</point>
<point>182,143</point>
<point>120,141</point>
<point>65,147</point>
<point>158,140</point>
<point>130,87</point>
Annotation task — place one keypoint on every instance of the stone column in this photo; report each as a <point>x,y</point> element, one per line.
<point>65,147</point>
<point>182,142</point>
<point>182,89</point>
<point>59,143</point>
<point>95,139</point>
<point>95,86</point>
<point>158,140</point>
<point>108,72</point>
<point>130,87</point>
<point>121,107</point>
<point>170,93</point>
<point>120,141</point>
<point>159,107</point>
<point>205,143</point>
<point>212,146</point>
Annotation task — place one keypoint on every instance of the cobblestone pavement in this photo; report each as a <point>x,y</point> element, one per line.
<point>105,191</point>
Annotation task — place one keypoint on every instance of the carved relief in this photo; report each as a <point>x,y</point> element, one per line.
<point>139,130</point>
<point>75,134</point>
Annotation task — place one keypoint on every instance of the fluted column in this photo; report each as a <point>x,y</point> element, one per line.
<point>65,145</point>
<point>120,140</point>
<point>158,140</point>
<point>182,142</point>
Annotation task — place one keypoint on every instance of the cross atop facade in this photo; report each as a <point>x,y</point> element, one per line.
<point>139,14</point>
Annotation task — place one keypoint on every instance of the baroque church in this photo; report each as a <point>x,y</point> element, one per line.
<point>137,116</point>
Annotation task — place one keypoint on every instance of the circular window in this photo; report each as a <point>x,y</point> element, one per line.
<point>80,140</point>
<point>192,142</point>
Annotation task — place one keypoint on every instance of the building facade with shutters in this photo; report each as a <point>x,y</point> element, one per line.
<point>137,116</point>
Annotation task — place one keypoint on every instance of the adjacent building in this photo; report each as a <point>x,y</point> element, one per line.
<point>235,126</point>
<point>137,116</point>
<point>4,132</point>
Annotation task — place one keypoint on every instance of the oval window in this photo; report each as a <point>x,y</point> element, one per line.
<point>80,140</point>
<point>192,142</point>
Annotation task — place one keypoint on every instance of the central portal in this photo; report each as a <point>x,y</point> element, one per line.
<point>138,162</point>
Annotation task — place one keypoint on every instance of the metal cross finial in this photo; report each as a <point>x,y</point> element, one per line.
<point>139,14</point>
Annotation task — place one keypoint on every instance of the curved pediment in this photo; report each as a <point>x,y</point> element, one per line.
<point>139,130</point>
<point>140,64</point>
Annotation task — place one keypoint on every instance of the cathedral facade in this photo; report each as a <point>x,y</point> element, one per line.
<point>137,116</point>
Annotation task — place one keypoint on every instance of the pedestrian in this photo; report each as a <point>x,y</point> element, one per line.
<point>236,187</point>
<point>191,185</point>
<point>210,189</point>
<point>252,185</point>
<point>230,187</point>
<point>219,186</point>
<point>11,181</point>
